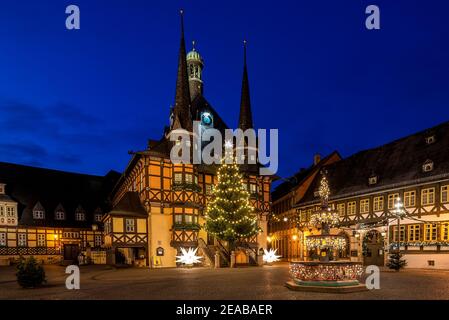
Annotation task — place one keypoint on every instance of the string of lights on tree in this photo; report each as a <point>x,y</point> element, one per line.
<point>323,219</point>
<point>229,214</point>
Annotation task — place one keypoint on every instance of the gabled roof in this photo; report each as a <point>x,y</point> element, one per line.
<point>394,164</point>
<point>129,205</point>
<point>29,185</point>
<point>299,177</point>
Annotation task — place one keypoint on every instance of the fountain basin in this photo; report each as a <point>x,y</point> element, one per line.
<point>334,276</point>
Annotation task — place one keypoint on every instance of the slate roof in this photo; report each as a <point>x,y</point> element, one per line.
<point>199,105</point>
<point>129,205</point>
<point>395,164</point>
<point>29,185</point>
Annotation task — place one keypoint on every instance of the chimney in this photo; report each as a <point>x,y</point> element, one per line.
<point>316,159</point>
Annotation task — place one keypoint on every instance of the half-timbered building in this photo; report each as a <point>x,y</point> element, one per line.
<point>52,215</point>
<point>174,195</point>
<point>366,189</point>
<point>283,229</point>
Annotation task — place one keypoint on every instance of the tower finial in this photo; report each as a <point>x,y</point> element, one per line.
<point>181,13</point>
<point>244,52</point>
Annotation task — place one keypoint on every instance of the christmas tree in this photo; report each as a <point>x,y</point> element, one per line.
<point>229,215</point>
<point>395,261</point>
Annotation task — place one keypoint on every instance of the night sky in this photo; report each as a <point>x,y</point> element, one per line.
<point>79,100</point>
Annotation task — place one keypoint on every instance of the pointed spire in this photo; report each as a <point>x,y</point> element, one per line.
<point>246,117</point>
<point>182,97</point>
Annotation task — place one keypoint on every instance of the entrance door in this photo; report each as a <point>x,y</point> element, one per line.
<point>71,252</point>
<point>373,248</point>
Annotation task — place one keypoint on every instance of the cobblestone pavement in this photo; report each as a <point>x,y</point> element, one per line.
<point>254,283</point>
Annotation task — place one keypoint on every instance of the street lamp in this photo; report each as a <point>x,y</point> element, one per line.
<point>399,212</point>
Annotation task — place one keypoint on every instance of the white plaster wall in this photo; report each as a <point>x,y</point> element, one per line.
<point>420,261</point>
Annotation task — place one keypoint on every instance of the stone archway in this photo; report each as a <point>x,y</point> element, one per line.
<point>373,248</point>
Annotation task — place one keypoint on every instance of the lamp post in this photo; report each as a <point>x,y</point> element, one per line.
<point>399,213</point>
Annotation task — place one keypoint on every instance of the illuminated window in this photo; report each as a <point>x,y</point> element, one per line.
<point>2,211</point>
<point>351,208</point>
<point>430,139</point>
<point>430,232</point>
<point>189,178</point>
<point>178,177</point>
<point>392,200</point>
<point>98,240</point>
<point>401,234</point>
<point>444,194</point>
<point>427,166</point>
<point>414,232</point>
<point>378,203</point>
<point>3,239</point>
<point>364,206</point>
<point>22,240</point>
<point>208,189</point>
<point>372,180</point>
<point>10,212</point>
<point>80,216</point>
<point>188,218</point>
<point>38,214</point>
<point>41,240</point>
<point>445,231</point>
<point>341,209</point>
<point>59,215</point>
<point>409,199</point>
<point>129,225</point>
<point>98,217</point>
<point>427,196</point>
<point>252,188</point>
<point>178,218</point>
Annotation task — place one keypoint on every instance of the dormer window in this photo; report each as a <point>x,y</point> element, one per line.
<point>80,214</point>
<point>430,139</point>
<point>372,180</point>
<point>38,211</point>
<point>98,215</point>
<point>427,166</point>
<point>2,188</point>
<point>59,212</point>
<point>316,193</point>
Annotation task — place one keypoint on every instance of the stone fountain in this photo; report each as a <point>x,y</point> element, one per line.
<point>325,273</point>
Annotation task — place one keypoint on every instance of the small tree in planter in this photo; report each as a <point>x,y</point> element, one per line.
<point>30,274</point>
<point>395,261</point>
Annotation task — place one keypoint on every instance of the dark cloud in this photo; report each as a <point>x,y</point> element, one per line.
<point>64,137</point>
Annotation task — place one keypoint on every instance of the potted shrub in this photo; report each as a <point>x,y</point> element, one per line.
<point>30,274</point>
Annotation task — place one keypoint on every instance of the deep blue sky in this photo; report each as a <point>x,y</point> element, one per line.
<point>79,100</point>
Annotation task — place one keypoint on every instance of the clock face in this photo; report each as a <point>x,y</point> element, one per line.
<point>206,119</point>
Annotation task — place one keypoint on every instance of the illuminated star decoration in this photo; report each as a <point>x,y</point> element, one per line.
<point>189,256</point>
<point>270,256</point>
<point>228,144</point>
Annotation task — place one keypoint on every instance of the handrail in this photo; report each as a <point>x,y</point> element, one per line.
<point>203,246</point>
<point>222,248</point>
